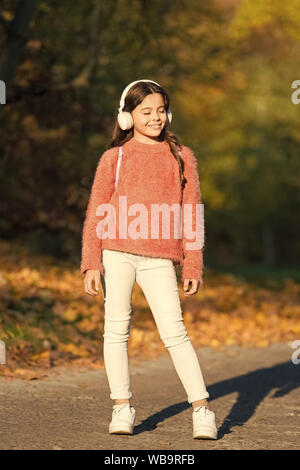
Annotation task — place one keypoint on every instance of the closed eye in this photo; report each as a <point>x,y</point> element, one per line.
<point>163,111</point>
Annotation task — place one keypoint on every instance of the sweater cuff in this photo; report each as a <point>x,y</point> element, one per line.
<point>96,265</point>
<point>193,266</point>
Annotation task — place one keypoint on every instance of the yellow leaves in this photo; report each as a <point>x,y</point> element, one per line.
<point>291,311</point>
<point>144,343</point>
<point>74,350</point>
<point>46,306</point>
<point>250,14</point>
<point>42,355</point>
<point>42,359</point>
<point>74,311</point>
<point>256,14</point>
<point>236,324</point>
<point>25,276</point>
<point>29,374</point>
<point>86,325</point>
<point>71,312</point>
<point>260,318</point>
<point>283,324</point>
<point>296,328</point>
<point>137,337</point>
<point>291,287</point>
<point>188,316</point>
<point>234,313</point>
<point>229,341</point>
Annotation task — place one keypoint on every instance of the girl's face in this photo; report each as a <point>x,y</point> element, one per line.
<point>150,116</point>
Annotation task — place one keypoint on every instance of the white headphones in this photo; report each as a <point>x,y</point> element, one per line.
<point>124,117</point>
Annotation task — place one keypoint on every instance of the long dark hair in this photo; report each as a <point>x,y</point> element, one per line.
<point>135,95</point>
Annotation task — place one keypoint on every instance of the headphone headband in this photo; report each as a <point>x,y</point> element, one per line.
<point>122,100</point>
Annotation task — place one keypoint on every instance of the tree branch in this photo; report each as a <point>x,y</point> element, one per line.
<point>98,16</point>
<point>17,33</point>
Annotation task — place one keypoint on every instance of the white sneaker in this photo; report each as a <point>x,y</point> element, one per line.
<point>123,417</point>
<point>204,423</point>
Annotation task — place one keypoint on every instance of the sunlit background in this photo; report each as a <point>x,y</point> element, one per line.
<point>228,67</point>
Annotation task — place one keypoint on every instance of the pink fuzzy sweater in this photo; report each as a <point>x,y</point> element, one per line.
<point>149,174</point>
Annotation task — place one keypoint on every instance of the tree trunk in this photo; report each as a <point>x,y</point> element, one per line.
<point>16,36</point>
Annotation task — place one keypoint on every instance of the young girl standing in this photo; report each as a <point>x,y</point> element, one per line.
<point>145,168</point>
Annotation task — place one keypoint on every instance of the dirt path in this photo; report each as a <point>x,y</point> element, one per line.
<point>254,393</point>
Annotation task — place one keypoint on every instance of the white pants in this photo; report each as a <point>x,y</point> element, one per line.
<point>157,279</point>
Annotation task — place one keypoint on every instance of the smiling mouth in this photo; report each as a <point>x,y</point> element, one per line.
<point>156,126</point>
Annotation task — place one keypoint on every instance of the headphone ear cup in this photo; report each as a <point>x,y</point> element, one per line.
<point>169,117</point>
<point>125,120</point>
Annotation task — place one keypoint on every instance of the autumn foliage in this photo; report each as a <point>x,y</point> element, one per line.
<point>47,319</point>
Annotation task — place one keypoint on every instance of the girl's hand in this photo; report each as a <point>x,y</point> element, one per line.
<point>194,288</point>
<point>90,276</point>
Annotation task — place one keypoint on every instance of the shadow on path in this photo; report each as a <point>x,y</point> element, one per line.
<point>252,388</point>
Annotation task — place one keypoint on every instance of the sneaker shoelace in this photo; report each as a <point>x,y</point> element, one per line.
<point>206,412</point>
<point>120,407</point>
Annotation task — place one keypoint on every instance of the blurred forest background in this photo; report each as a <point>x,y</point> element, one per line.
<point>228,66</point>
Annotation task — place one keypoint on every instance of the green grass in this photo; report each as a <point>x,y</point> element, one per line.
<point>14,332</point>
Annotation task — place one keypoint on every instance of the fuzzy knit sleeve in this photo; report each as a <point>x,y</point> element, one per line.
<point>101,192</point>
<point>191,200</point>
